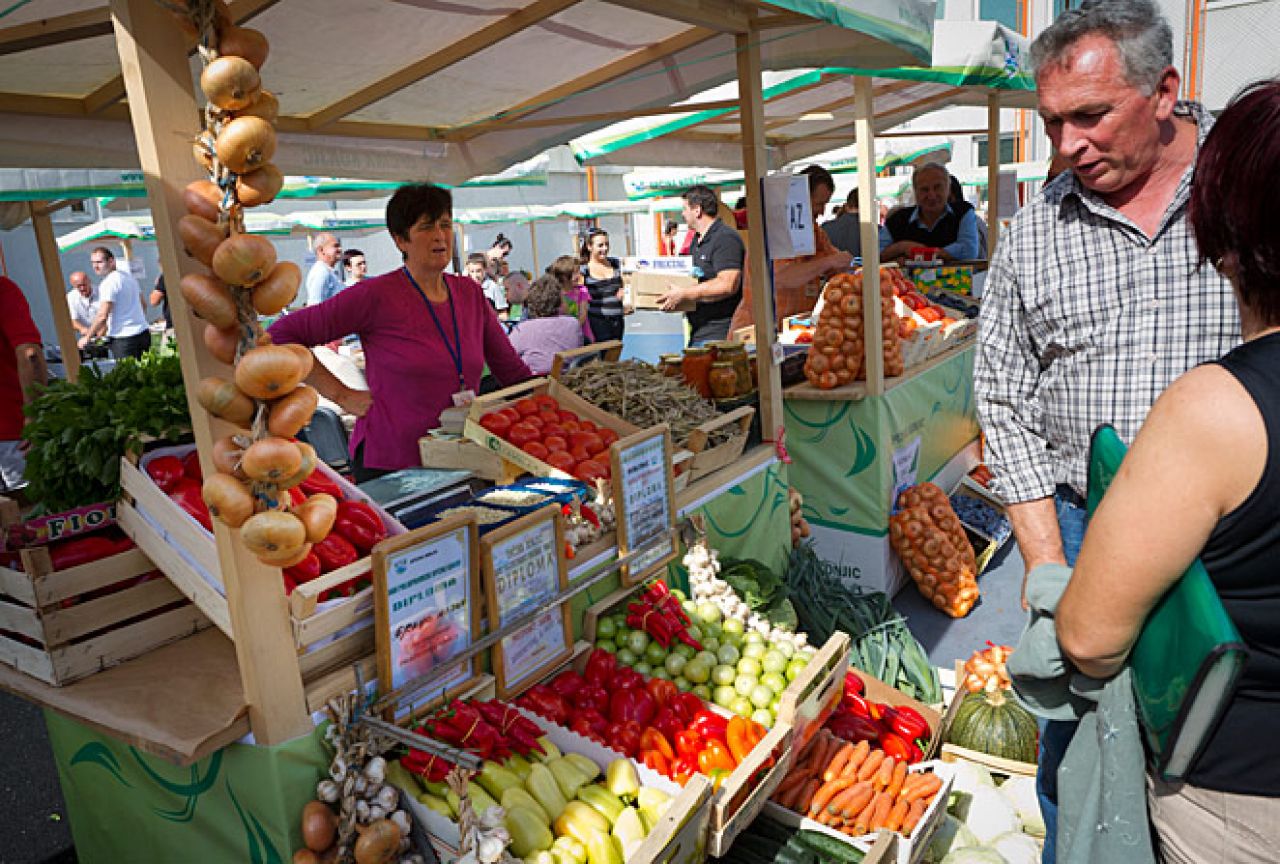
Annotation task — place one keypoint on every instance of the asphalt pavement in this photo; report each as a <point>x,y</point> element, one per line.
<point>33,817</point>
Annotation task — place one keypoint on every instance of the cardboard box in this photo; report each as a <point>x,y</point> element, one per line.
<point>646,286</point>
<point>466,455</point>
<point>878,691</point>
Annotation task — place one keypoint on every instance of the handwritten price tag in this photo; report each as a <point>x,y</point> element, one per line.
<point>643,495</point>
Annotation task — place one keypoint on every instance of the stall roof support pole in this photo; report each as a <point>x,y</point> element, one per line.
<point>993,172</point>
<point>54,284</point>
<point>158,84</point>
<point>754,165</point>
<point>869,213</point>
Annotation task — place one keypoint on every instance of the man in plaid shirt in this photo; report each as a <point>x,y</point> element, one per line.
<point>1094,303</point>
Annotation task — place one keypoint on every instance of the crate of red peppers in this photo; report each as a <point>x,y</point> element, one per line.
<point>330,591</point>
<point>76,605</point>
<point>888,719</point>
<point>674,733</point>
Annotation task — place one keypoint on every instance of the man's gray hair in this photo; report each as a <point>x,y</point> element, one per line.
<point>1139,31</point>
<point>930,166</point>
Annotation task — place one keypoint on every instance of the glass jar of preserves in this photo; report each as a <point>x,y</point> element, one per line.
<point>735,353</point>
<point>723,380</point>
<point>671,365</point>
<point>696,369</point>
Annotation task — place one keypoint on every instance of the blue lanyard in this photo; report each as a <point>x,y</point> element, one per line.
<point>455,357</point>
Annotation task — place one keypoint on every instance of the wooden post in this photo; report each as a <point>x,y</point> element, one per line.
<point>993,172</point>
<point>754,165</point>
<point>533,247</point>
<point>51,263</point>
<point>869,212</point>
<point>157,81</point>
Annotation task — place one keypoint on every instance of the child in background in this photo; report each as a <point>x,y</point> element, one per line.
<point>573,291</point>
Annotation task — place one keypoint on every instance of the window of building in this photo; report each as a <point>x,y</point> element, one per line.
<point>1006,149</point>
<point>1004,11</point>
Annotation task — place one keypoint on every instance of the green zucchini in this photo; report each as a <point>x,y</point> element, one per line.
<point>829,849</point>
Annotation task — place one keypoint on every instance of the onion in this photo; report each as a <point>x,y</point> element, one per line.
<point>203,198</point>
<point>305,856</point>
<point>209,299</point>
<point>379,843</point>
<point>306,360</point>
<point>268,371</point>
<point>260,186</point>
<point>201,237</point>
<point>273,531</point>
<point>271,459</point>
<point>243,259</point>
<point>246,143</point>
<point>223,399</point>
<point>292,412</point>
<point>230,83</point>
<point>285,557</point>
<point>266,106</point>
<point>309,461</point>
<point>222,342</point>
<point>228,499</point>
<point>317,514</point>
<point>226,457</point>
<point>277,291</point>
<point>247,43</point>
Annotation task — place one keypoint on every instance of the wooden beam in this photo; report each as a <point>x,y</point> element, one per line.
<point>869,219</point>
<point>609,72</point>
<point>51,264</point>
<point>725,16</point>
<point>45,106</point>
<point>754,166</point>
<point>464,133</point>
<point>486,37</point>
<point>157,78</point>
<point>55,30</point>
<point>113,91</point>
<point>993,172</point>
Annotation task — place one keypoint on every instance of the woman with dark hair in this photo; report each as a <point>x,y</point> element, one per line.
<point>602,277</point>
<point>1202,480</point>
<point>577,301</point>
<point>545,330</point>
<point>427,337</point>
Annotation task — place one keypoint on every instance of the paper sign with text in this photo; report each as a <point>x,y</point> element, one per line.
<point>644,499</point>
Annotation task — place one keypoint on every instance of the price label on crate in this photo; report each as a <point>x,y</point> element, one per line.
<point>644,500</point>
<point>524,569</point>
<point>427,603</point>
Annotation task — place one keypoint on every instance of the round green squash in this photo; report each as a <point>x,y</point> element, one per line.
<point>995,724</point>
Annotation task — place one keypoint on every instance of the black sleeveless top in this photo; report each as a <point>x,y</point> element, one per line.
<point>901,226</point>
<point>604,292</point>
<point>1242,557</point>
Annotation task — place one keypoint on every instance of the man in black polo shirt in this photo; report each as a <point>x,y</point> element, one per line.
<point>952,228</point>
<point>718,256</point>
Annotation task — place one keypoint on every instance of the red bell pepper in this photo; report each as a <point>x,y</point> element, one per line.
<point>877,710</point>
<point>683,768</point>
<point>657,761</point>
<point>663,692</point>
<point>165,471</point>
<point>567,684</point>
<point>545,702</point>
<point>626,679</point>
<point>854,684</point>
<point>652,739</point>
<point>916,753</point>
<point>361,524</point>
<point>624,737</point>
<point>689,743</point>
<point>896,746</point>
<point>686,706</point>
<point>710,725</point>
<point>855,704</point>
<point>316,483</point>
<point>334,552</point>
<point>632,703</point>
<point>82,550</point>
<point>592,697</point>
<point>601,666</point>
<point>853,728</point>
<point>908,722</point>
<point>666,722</point>
<point>589,723</point>
<point>716,757</point>
<point>305,570</point>
<point>186,492</point>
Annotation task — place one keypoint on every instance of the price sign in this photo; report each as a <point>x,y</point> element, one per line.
<point>644,499</point>
<point>427,603</point>
<point>788,216</point>
<point>524,568</point>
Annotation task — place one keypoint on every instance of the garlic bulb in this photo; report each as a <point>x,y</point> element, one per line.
<point>401,820</point>
<point>376,770</point>
<point>388,797</point>
<point>327,791</point>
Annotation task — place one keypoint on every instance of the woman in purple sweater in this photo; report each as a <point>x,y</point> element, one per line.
<point>427,335</point>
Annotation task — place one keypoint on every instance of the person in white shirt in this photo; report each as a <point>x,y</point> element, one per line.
<point>322,280</point>
<point>120,315</point>
<point>476,268</point>
<point>82,301</point>
<point>356,266</point>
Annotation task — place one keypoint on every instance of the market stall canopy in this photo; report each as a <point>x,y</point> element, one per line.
<point>434,90</point>
<point>656,183</point>
<point>812,111</point>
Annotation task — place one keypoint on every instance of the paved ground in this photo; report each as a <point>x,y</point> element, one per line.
<point>33,819</point>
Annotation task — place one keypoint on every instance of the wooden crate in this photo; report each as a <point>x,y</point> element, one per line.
<point>463,454</point>
<point>707,461</point>
<point>330,636</point>
<point>952,753</point>
<point>76,639</point>
<point>878,691</point>
<point>814,694</point>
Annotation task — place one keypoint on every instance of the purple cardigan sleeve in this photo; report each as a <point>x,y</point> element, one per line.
<point>341,315</point>
<point>500,355</point>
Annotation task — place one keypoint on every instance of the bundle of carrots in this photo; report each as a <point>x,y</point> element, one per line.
<point>856,789</point>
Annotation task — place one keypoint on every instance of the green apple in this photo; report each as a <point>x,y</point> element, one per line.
<point>741,706</point>
<point>607,645</point>
<point>657,655</point>
<point>723,675</point>
<point>728,654</point>
<point>785,648</point>
<point>695,631</point>
<point>702,691</point>
<point>637,641</point>
<point>688,652</point>
<point>678,594</point>
<point>606,628</point>
<point>734,639</point>
<point>744,684</point>
<point>697,671</point>
<point>753,637</point>
<point>794,668</point>
<point>761,696</point>
<point>627,657</point>
<point>683,684</point>
<point>708,659</point>
<point>775,681</point>
<point>762,716</point>
<point>690,608</point>
<point>754,650</point>
<point>710,643</point>
<point>708,612</point>
<point>748,666</point>
<point>660,673</point>
<point>674,664</point>
<point>725,696</point>
<point>734,626</point>
<point>643,668</point>
<point>773,661</point>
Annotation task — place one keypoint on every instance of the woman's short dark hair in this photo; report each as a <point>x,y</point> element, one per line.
<point>563,269</point>
<point>957,191</point>
<point>819,176</point>
<point>703,198</point>
<point>413,201</point>
<point>544,298</point>
<point>1234,193</point>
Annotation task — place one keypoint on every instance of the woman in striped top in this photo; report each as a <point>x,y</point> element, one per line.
<point>603,277</point>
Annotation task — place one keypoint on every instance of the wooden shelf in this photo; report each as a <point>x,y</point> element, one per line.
<point>182,701</point>
<point>806,392</point>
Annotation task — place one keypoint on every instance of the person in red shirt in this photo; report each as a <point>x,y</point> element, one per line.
<point>22,372</point>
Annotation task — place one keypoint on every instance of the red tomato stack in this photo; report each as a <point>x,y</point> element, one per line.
<point>554,435</point>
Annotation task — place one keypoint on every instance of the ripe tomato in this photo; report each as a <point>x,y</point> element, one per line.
<point>536,449</point>
<point>590,441</point>
<point>579,452</point>
<point>546,402</point>
<point>522,433</point>
<point>589,470</point>
<point>568,415</point>
<point>555,442</point>
<point>561,461</point>
<point>555,429</point>
<point>535,421</point>
<point>511,414</point>
<point>526,406</point>
<point>587,425</point>
<point>549,416</point>
<point>570,425</point>
<point>608,436</point>
<point>497,423</point>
